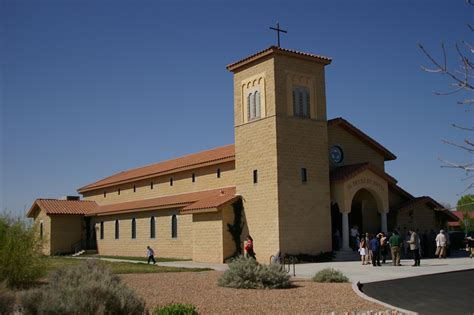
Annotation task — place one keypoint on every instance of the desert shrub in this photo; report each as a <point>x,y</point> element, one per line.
<point>86,288</point>
<point>330,275</point>
<point>7,300</point>
<point>246,273</point>
<point>176,309</point>
<point>20,253</point>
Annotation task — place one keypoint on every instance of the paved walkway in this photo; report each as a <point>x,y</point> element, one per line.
<point>352,269</point>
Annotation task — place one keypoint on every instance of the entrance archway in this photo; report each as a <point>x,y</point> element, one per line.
<point>365,212</point>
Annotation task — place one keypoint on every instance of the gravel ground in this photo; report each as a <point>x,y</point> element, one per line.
<point>201,290</point>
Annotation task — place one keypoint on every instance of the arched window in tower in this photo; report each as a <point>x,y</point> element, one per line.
<point>174,226</point>
<point>253,105</point>
<point>301,102</point>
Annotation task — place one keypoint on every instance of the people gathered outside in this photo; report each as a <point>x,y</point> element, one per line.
<point>383,246</point>
<point>374,247</point>
<point>354,234</point>
<point>249,252</point>
<point>363,251</point>
<point>414,242</point>
<point>395,242</point>
<point>441,244</point>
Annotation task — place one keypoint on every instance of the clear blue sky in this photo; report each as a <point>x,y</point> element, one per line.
<point>90,88</point>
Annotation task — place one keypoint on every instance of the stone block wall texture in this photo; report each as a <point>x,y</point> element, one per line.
<point>205,179</point>
<point>207,237</point>
<point>419,217</point>
<point>255,145</point>
<point>163,243</point>
<point>41,216</point>
<point>66,230</point>
<point>304,207</point>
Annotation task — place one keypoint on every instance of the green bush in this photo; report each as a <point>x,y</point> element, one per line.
<point>7,301</point>
<point>330,275</point>
<point>20,253</point>
<point>246,273</point>
<point>176,309</point>
<point>86,288</point>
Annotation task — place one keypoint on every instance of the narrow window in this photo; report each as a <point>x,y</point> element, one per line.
<point>301,102</point>
<point>254,103</point>
<point>304,175</point>
<point>194,177</point>
<point>118,191</point>
<point>255,176</point>
<point>101,230</point>
<point>174,226</point>
<point>151,185</point>
<point>152,227</point>
<point>171,181</point>
<point>41,229</point>
<point>105,194</point>
<point>134,229</point>
<point>218,173</point>
<point>257,104</point>
<point>249,109</point>
<point>134,188</point>
<point>117,231</point>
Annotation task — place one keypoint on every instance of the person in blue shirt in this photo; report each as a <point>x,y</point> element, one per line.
<point>374,245</point>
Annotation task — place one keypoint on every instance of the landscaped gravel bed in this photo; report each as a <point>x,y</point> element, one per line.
<point>201,290</point>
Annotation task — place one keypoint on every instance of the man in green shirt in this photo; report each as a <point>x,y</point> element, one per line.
<point>395,242</point>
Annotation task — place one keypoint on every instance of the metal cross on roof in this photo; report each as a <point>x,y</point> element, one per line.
<point>278,30</point>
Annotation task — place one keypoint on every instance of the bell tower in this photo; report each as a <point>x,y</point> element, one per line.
<point>281,144</point>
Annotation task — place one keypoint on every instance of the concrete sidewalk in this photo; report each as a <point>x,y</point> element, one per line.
<point>352,269</point>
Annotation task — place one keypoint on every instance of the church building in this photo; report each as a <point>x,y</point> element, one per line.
<point>292,179</point>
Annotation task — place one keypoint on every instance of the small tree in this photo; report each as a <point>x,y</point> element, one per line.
<point>20,253</point>
<point>461,76</point>
<point>466,206</point>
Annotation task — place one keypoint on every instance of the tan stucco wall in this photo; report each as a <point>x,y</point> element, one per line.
<point>205,179</point>
<point>41,215</point>
<point>419,217</point>
<point>207,237</point>
<point>255,146</point>
<point>355,151</point>
<point>65,231</point>
<point>163,244</point>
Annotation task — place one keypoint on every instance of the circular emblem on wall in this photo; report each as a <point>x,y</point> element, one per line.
<point>336,154</point>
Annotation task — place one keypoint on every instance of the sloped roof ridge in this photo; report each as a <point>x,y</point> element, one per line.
<point>363,136</point>
<point>104,182</point>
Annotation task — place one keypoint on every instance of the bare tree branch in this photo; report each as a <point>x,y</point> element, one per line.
<point>463,128</point>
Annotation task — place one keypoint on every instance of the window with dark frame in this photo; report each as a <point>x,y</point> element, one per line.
<point>218,173</point>
<point>194,177</point>
<point>41,229</point>
<point>174,226</point>
<point>105,194</point>
<point>152,227</point>
<point>255,176</point>
<point>118,191</point>
<point>151,185</point>
<point>134,188</point>
<point>134,228</point>
<point>304,175</point>
<point>101,230</point>
<point>171,181</point>
<point>117,230</point>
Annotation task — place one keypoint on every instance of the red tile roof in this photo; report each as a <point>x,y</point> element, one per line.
<point>188,203</point>
<point>57,206</point>
<point>346,172</point>
<point>460,217</point>
<point>283,51</point>
<point>388,156</point>
<point>209,157</point>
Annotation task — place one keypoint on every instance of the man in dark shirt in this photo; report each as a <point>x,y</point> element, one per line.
<point>374,246</point>
<point>395,242</point>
